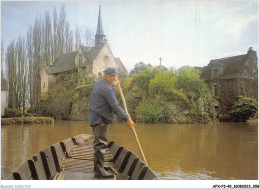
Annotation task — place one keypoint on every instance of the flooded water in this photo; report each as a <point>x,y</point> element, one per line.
<point>190,152</point>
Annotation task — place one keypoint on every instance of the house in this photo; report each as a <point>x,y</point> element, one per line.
<point>4,94</point>
<point>91,60</point>
<point>230,77</point>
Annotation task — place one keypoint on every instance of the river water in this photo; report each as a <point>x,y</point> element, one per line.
<point>176,152</point>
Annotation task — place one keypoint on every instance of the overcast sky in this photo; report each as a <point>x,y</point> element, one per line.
<point>181,32</point>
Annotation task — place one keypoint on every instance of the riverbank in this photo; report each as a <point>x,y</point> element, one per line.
<point>26,120</point>
<point>252,120</point>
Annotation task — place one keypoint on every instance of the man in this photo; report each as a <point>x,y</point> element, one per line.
<point>103,105</point>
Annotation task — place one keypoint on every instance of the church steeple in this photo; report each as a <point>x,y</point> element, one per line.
<point>100,37</point>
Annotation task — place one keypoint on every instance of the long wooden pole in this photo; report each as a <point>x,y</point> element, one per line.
<point>125,107</point>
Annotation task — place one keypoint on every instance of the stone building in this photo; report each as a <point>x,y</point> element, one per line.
<point>230,77</point>
<point>92,60</point>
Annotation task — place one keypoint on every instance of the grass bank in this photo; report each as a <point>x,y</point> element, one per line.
<point>26,120</point>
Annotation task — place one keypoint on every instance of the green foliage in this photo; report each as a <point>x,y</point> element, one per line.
<point>162,84</point>
<point>190,82</point>
<point>149,113</point>
<point>29,110</point>
<point>196,90</point>
<point>9,112</point>
<point>183,90</point>
<point>153,95</point>
<point>58,105</point>
<point>61,101</point>
<point>141,80</point>
<point>127,83</point>
<point>64,101</point>
<point>244,108</point>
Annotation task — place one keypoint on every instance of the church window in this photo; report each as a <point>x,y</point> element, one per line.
<point>106,58</point>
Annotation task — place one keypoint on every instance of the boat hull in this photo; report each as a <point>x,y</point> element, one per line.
<point>73,159</point>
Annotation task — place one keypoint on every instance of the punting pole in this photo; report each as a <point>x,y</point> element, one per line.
<point>125,107</point>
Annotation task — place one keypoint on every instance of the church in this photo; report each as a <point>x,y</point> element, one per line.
<point>91,60</point>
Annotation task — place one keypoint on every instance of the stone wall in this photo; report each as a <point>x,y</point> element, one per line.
<point>229,89</point>
<point>44,80</point>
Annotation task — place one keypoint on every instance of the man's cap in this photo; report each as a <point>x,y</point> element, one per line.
<point>110,71</point>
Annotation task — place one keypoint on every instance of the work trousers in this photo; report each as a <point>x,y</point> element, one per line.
<point>100,143</point>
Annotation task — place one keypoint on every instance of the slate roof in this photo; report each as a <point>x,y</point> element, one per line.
<point>4,86</point>
<point>99,25</point>
<point>121,68</point>
<point>232,66</point>
<point>91,54</point>
<point>66,62</point>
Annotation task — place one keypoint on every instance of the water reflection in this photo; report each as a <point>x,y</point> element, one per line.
<point>225,151</point>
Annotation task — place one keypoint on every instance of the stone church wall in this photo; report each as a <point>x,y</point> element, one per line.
<point>44,81</point>
<point>104,60</point>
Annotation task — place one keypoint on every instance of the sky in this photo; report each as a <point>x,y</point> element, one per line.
<point>182,33</point>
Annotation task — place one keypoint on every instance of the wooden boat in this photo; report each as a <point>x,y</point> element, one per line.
<point>73,159</point>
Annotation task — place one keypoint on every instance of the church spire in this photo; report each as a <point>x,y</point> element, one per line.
<point>100,37</point>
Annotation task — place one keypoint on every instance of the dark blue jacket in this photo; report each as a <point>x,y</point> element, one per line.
<point>104,104</point>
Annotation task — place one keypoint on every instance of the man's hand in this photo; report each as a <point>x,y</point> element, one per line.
<point>130,123</point>
<point>116,83</point>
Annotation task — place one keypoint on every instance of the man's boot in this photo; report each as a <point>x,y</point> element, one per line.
<point>100,134</point>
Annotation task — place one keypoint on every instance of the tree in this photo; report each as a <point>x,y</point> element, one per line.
<point>68,38</point>
<point>61,31</point>
<point>21,74</point>
<point>37,60</point>
<point>88,37</point>
<point>163,86</point>
<point>196,90</point>
<point>2,56</point>
<point>190,82</point>
<point>60,104</point>
<point>244,108</point>
<point>11,77</point>
<point>25,58</point>
<point>139,67</point>
<point>77,38</point>
<point>55,46</point>
<point>29,48</point>
<point>47,36</point>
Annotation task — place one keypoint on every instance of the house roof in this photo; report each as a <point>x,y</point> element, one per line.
<point>4,86</point>
<point>121,68</point>
<point>91,54</point>
<point>232,66</point>
<point>66,62</point>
